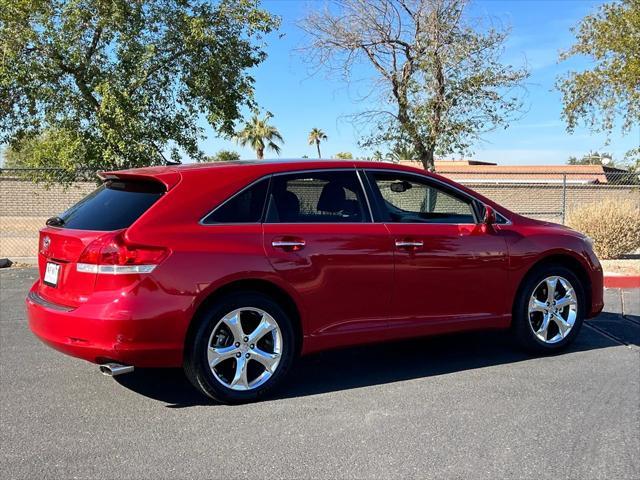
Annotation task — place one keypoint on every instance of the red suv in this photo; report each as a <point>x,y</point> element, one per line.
<point>234,269</point>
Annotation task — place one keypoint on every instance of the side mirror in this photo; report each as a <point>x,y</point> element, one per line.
<point>489,216</point>
<point>400,187</point>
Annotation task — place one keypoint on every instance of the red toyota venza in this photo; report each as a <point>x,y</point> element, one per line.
<point>232,270</point>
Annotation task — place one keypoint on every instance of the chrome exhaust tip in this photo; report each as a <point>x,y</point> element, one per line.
<point>113,369</point>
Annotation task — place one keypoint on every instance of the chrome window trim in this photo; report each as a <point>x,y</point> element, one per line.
<point>358,171</point>
<point>440,182</point>
<point>291,172</point>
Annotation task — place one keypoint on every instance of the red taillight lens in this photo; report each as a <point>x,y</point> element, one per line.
<point>112,252</point>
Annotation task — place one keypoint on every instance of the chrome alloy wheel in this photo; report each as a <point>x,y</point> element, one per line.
<point>553,309</point>
<point>244,348</point>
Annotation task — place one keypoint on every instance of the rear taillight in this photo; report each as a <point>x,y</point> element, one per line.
<point>110,254</point>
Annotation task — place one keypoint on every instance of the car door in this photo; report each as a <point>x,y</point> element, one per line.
<point>449,269</point>
<point>319,236</point>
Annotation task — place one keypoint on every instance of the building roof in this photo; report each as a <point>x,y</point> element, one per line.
<point>470,171</point>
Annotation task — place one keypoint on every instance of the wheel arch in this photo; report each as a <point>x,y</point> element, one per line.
<point>566,260</point>
<point>284,299</point>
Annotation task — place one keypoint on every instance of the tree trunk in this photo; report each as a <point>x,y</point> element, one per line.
<point>318,147</point>
<point>260,153</point>
<point>425,154</point>
<point>428,162</point>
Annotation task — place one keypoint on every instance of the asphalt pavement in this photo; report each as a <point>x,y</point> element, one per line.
<point>459,406</point>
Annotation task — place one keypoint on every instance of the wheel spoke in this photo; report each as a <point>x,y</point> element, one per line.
<point>268,360</point>
<point>217,355</point>
<point>240,376</point>
<point>544,327</point>
<point>232,321</point>
<point>551,288</point>
<point>536,305</point>
<point>567,300</point>
<point>266,325</point>
<point>563,325</point>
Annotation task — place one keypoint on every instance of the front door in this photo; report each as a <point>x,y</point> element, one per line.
<point>449,269</point>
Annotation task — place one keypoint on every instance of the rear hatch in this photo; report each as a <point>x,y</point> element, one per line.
<point>89,239</point>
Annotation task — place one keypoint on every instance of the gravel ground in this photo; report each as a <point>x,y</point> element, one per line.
<point>464,406</point>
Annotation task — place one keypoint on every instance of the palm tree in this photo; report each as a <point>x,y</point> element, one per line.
<point>259,135</point>
<point>316,136</point>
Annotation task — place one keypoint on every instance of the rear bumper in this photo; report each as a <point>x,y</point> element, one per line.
<point>101,333</point>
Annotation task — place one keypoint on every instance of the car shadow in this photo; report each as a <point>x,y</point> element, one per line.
<point>364,366</point>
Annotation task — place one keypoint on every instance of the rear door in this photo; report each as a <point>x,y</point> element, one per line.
<point>448,268</point>
<point>319,236</point>
<point>112,207</point>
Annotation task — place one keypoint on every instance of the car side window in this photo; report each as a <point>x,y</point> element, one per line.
<point>246,206</point>
<point>316,197</point>
<point>409,199</point>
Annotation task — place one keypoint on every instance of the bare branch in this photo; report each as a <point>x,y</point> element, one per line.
<point>441,76</point>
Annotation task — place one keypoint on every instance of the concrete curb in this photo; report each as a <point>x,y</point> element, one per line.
<point>612,280</point>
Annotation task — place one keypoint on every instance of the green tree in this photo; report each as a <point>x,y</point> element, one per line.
<point>377,156</point>
<point>315,137</point>
<point>401,151</point>
<point>260,136</point>
<point>610,90</point>
<point>437,75</point>
<point>125,81</point>
<point>592,158</point>
<point>13,157</point>
<point>36,151</point>
<point>344,155</point>
<point>222,156</point>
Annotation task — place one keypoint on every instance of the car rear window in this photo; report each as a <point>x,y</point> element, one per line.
<point>113,206</point>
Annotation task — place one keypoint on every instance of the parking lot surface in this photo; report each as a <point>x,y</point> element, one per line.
<point>464,406</point>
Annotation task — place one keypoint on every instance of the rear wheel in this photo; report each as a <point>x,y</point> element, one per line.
<point>549,310</point>
<point>241,348</point>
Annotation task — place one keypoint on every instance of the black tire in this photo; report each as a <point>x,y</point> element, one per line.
<point>522,328</point>
<point>196,365</point>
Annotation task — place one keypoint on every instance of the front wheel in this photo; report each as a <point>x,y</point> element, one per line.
<point>549,310</point>
<point>242,347</point>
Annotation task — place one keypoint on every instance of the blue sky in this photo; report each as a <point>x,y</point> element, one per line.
<point>539,30</point>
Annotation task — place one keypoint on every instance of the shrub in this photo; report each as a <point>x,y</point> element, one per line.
<point>614,226</point>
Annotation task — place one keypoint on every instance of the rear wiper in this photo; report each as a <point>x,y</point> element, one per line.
<point>55,222</point>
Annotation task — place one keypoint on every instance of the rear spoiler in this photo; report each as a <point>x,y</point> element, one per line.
<point>167,176</point>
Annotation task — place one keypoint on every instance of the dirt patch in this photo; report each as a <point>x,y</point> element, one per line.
<point>622,266</point>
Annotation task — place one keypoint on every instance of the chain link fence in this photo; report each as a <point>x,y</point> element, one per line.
<point>550,195</point>
<point>29,196</point>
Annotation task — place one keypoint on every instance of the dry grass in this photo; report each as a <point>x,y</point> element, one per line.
<point>614,226</point>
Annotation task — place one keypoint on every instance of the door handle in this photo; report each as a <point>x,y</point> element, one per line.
<point>409,244</point>
<point>289,245</point>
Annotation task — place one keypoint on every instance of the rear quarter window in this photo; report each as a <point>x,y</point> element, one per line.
<point>113,206</point>
<point>245,206</point>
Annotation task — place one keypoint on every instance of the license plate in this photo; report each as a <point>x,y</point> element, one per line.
<point>51,274</point>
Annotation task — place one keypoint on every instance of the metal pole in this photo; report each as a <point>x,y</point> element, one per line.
<point>564,197</point>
